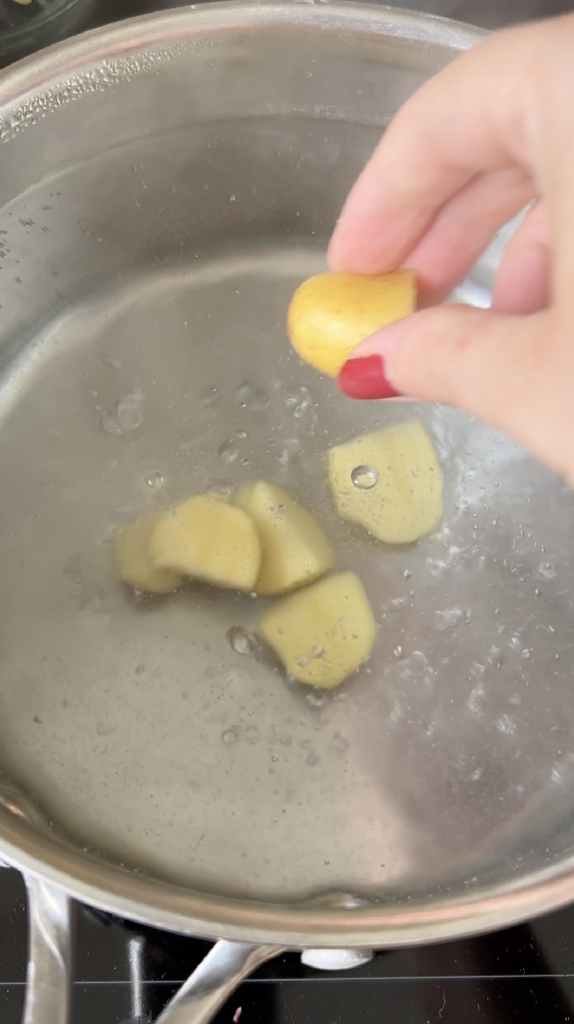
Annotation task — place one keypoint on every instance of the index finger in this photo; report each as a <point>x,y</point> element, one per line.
<point>475,116</point>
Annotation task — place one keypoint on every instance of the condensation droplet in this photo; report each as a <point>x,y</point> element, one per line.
<point>241,640</point>
<point>364,477</point>
<point>398,652</point>
<point>228,451</point>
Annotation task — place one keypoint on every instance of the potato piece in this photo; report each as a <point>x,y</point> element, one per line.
<point>131,552</point>
<point>390,482</point>
<point>294,547</point>
<point>323,633</point>
<point>208,539</point>
<point>331,313</point>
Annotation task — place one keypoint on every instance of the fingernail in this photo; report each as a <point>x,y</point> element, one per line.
<point>365,378</point>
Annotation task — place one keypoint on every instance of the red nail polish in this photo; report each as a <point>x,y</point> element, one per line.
<point>365,378</point>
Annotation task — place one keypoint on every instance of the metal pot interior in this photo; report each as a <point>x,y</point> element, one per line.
<point>164,189</point>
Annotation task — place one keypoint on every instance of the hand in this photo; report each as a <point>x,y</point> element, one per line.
<point>489,134</point>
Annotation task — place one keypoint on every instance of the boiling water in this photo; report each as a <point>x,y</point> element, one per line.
<point>159,730</point>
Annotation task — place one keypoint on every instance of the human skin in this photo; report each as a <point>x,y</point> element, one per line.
<point>489,134</point>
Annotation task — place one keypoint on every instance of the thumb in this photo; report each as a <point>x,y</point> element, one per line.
<point>499,368</point>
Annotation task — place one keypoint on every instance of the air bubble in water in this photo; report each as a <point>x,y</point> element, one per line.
<point>253,399</point>
<point>317,699</point>
<point>241,641</point>
<point>452,618</point>
<point>230,736</point>
<point>155,479</point>
<point>228,451</point>
<point>364,477</point>
<point>126,415</point>
<point>547,570</point>
<point>300,401</point>
<point>398,652</point>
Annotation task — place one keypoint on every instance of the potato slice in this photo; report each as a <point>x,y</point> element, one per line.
<point>323,633</point>
<point>331,313</point>
<point>390,482</point>
<point>294,547</point>
<point>208,539</point>
<point>131,552</point>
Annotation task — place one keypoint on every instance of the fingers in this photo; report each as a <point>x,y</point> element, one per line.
<point>523,279</point>
<point>481,114</point>
<point>501,369</point>
<point>463,228</point>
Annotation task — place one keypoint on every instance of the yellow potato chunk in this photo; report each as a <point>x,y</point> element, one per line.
<point>390,482</point>
<point>331,313</point>
<point>208,539</point>
<point>131,552</point>
<point>294,547</point>
<point>323,633</point>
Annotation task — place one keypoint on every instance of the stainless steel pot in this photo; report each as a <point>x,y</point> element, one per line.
<point>165,185</point>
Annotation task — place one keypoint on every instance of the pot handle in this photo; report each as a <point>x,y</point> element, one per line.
<point>216,978</point>
<point>49,954</point>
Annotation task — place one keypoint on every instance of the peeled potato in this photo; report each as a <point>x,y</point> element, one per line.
<point>294,547</point>
<point>323,633</point>
<point>390,482</point>
<point>131,551</point>
<point>208,539</point>
<point>331,313</point>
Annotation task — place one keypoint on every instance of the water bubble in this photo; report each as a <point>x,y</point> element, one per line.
<point>253,399</point>
<point>252,734</point>
<point>274,758</point>
<point>225,487</point>
<point>241,641</point>
<point>547,570</point>
<point>398,652</point>
<point>300,401</point>
<point>155,479</point>
<point>126,415</point>
<point>243,394</point>
<point>452,618</point>
<point>495,657</point>
<point>230,736</point>
<point>407,574</point>
<point>340,742</point>
<point>364,477</point>
<point>228,451</point>
<point>317,699</point>
<point>312,759</point>
<point>208,398</point>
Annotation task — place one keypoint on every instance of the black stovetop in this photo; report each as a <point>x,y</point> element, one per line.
<point>127,973</point>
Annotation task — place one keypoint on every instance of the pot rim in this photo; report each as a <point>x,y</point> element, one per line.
<point>165,905</point>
